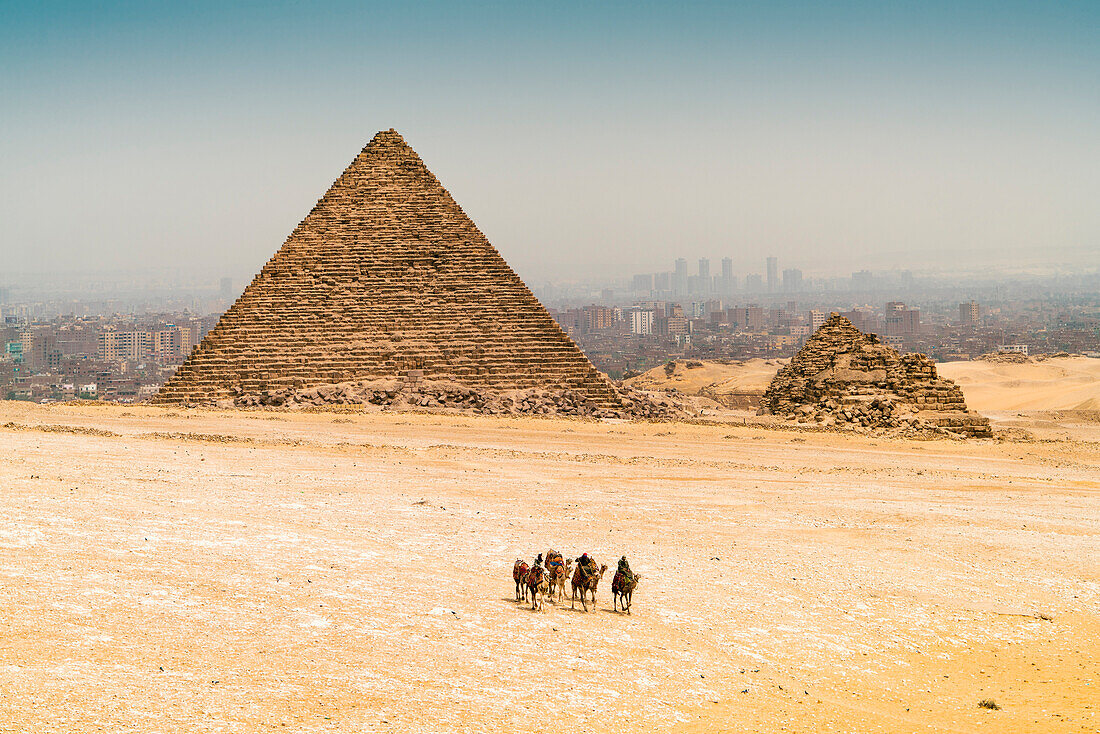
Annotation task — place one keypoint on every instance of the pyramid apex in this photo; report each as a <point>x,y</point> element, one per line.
<point>387,137</point>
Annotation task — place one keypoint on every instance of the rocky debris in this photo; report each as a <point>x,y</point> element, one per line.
<point>1017,358</point>
<point>386,275</point>
<point>843,377</point>
<point>447,395</point>
<point>1005,358</point>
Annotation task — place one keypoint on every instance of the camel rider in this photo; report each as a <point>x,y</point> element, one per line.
<point>588,565</point>
<point>624,569</point>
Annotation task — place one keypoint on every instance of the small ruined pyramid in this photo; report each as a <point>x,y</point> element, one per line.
<point>385,276</point>
<point>842,375</point>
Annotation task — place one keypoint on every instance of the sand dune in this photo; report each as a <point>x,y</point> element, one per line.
<point>732,383</point>
<point>1064,383</point>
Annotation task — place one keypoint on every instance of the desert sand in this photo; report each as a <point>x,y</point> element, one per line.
<point>1061,383</point>
<point>735,384</point>
<point>191,571</point>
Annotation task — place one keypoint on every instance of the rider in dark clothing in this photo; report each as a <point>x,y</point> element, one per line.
<point>624,569</point>
<point>588,565</point>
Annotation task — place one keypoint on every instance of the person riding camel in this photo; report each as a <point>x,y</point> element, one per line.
<point>536,570</point>
<point>588,565</point>
<point>624,569</point>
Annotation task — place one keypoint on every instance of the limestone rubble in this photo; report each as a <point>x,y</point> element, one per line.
<point>845,377</point>
<point>445,395</point>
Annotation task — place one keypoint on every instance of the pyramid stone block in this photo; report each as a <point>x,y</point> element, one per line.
<point>386,275</point>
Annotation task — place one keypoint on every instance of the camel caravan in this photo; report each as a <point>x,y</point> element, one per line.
<point>546,579</point>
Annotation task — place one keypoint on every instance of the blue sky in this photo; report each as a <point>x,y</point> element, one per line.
<point>580,137</point>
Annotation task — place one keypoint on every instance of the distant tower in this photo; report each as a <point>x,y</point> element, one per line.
<point>680,277</point>
<point>969,314</point>
<point>726,284</point>
<point>704,267</point>
<point>792,280</point>
<point>773,275</point>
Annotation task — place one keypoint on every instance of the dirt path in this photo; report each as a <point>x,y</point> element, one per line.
<point>170,570</point>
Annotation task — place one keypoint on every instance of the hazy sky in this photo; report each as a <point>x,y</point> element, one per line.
<point>595,137</point>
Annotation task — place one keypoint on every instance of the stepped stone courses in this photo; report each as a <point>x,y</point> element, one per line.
<point>385,277</point>
<point>843,376</point>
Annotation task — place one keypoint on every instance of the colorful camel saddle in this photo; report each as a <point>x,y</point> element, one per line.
<point>624,577</point>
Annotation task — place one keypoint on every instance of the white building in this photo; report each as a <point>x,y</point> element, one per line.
<point>641,322</point>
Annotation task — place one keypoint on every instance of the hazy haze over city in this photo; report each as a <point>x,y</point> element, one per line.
<point>582,140</point>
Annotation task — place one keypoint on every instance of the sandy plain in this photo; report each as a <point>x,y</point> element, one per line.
<point>183,570</point>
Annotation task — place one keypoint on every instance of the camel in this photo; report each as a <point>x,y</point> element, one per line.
<point>622,589</point>
<point>538,585</point>
<point>558,576</point>
<point>585,580</point>
<point>519,575</point>
<point>558,572</point>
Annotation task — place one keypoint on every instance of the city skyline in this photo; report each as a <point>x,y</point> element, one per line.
<point>581,139</point>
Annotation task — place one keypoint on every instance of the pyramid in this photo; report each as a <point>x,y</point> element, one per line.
<point>385,276</point>
<point>843,375</point>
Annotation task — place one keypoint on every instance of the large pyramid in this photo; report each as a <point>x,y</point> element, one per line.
<point>386,275</point>
<point>842,375</point>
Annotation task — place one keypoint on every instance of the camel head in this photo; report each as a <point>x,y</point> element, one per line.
<point>603,570</point>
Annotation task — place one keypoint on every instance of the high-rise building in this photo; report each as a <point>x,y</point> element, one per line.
<point>598,318</point>
<point>901,321</point>
<point>727,283</point>
<point>641,322</point>
<point>704,268</point>
<point>643,283</point>
<point>662,281</point>
<point>750,318</point>
<point>792,280</point>
<point>680,277</point>
<point>114,345</point>
<point>969,314</point>
<point>754,283</point>
<point>773,275</point>
<point>815,319</point>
